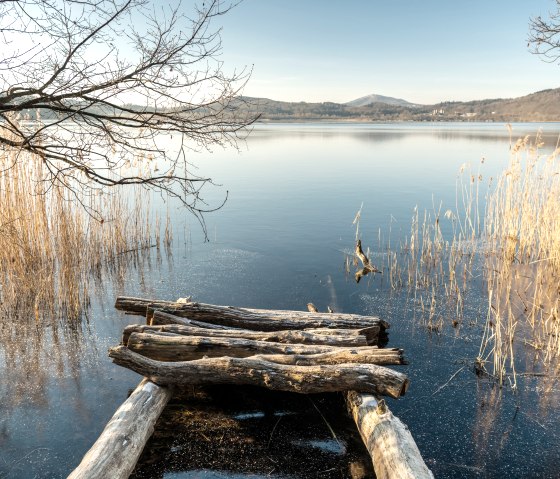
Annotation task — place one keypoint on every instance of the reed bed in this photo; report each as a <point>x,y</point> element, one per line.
<point>55,240</point>
<point>502,235</point>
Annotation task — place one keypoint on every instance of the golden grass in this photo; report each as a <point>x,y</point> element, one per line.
<point>54,241</point>
<point>523,232</point>
<point>513,242</point>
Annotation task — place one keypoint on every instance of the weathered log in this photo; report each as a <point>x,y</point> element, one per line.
<point>159,317</point>
<point>254,319</point>
<point>340,356</point>
<point>174,347</point>
<point>119,446</point>
<point>290,337</point>
<point>249,371</point>
<point>394,453</point>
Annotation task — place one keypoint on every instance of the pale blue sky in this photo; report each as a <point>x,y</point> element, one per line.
<point>424,51</point>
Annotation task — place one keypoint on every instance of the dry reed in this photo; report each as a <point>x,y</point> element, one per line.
<point>54,239</point>
<point>513,242</point>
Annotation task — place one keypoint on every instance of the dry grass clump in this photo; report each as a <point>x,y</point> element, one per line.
<point>523,231</point>
<point>54,240</point>
<point>513,243</point>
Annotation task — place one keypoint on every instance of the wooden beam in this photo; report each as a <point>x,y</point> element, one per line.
<point>116,451</point>
<point>394,453</point>
<point>250,371</point>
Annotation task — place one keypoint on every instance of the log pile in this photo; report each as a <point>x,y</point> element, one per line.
<point>305,352</point>
<point>185,343</point>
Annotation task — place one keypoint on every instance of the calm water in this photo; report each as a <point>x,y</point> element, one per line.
<point>280,242</point>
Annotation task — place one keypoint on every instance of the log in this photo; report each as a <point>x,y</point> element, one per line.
<point>119,446</point>
<point>254,319</point>
<point>291,337</point>
<point>340,356</point>
<point>257,372</point>
<point>174,347</point>
<point>158,317</point>
<point>394,453</point>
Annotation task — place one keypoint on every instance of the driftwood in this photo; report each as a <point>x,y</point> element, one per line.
<point>394,453</point>
<point>119,446</point>
<point>291,337</point>
<point>159,317</point>
<point>254,319</point>
<point>367,266</point>
<point>257,372</point>
<point>173,347</point>
<point>340,356</point>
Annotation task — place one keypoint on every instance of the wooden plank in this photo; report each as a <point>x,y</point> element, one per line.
<point>250,371</point>
<point>394,453</point>
<point>116,451</point>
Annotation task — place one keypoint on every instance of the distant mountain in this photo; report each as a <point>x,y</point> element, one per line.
<point>539,106</point>
<point>373,98</point>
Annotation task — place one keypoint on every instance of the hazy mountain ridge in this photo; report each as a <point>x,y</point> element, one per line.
<point>374,98</point>
<point>540,106</point>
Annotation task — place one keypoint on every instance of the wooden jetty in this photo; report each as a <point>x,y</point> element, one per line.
<point>185,343</point>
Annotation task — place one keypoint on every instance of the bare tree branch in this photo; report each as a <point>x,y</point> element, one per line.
<point>544,35</point>
<point>98,89</point>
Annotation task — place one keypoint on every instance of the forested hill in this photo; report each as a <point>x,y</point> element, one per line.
<point>540,106</point>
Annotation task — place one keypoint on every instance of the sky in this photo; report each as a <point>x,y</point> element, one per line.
<point>424,51</point>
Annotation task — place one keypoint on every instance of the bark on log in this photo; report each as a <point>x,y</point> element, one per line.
<point>173,347</point>
<point>119,446</point>
<point>254,319</point>
<point>159,317</point>
<point>290,337</point>
<point>257,372</point>
<point>394,453</point>
<point>383,357</point>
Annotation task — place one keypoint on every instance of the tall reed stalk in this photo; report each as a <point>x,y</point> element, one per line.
<point>52,246</point>
<point>513,242</point>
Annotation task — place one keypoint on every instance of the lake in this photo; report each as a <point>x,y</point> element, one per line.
<point>281,241</point>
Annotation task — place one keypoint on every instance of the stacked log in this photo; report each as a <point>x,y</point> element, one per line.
<point>253,319</point>
<point>186,343</point>
<point>119,446</point>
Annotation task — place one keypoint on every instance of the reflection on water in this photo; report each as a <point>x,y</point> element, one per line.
<point>278,243</point>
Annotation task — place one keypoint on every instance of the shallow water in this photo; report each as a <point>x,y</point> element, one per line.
<point>279,243</point>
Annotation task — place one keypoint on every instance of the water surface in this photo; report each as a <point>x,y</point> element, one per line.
<point>279,242</point>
